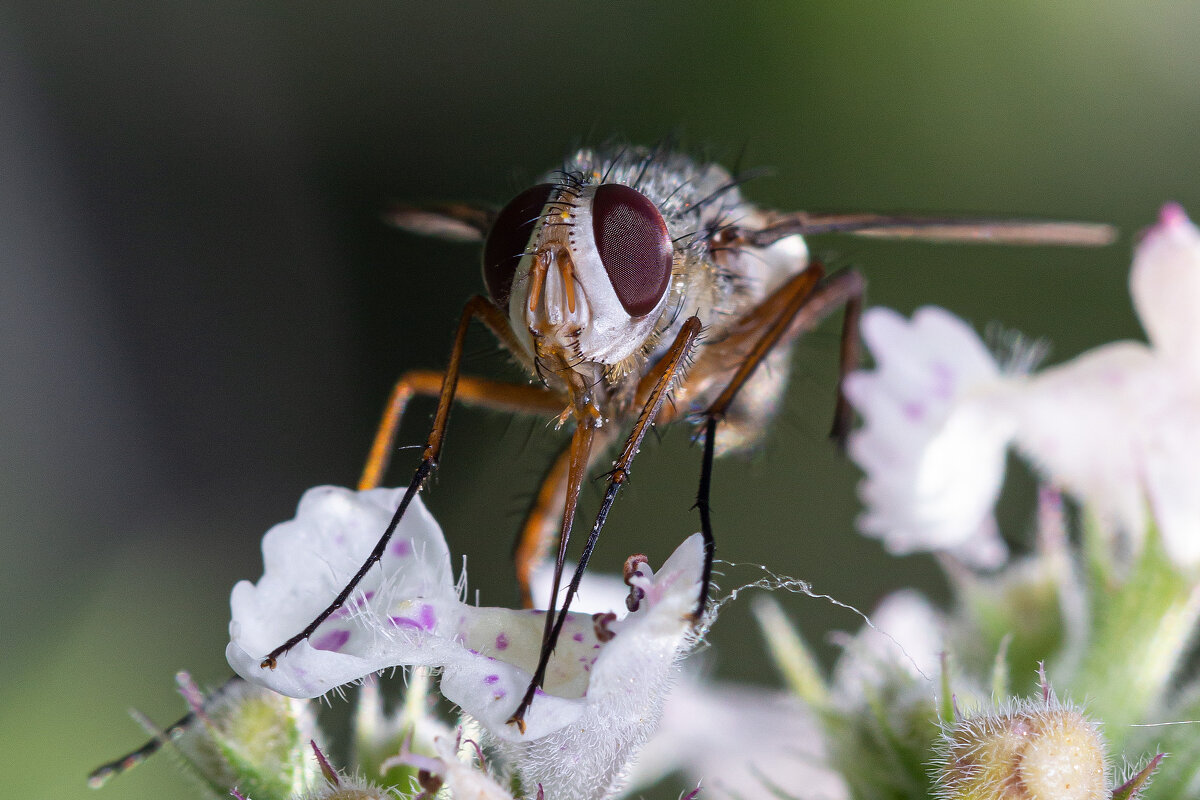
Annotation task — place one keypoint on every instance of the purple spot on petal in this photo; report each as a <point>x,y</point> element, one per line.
<point>501,642</point>
<point>401,548</point>
<point>914,411</point>
<point>539,693</point>
<point>473,652</point>
<point>500,695</point>
<point>490,679</point>
<point>428,617</point>
<point>595,647</point>
<point>578,637</point>
<point>334,641</point>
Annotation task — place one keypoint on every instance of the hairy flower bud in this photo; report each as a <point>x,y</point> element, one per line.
<point>1044,752</point>
<point>352,789</point>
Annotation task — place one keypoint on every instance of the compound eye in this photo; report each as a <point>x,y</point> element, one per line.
<point>509,239</point>
<point>634,246</point>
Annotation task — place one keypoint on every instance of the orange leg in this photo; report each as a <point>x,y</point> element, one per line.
<point>543,518</point>
<point>533,543</point>
<point>662,378</point>
<point>472,391</point>
<point>791,310</point>
<point>491,316</point>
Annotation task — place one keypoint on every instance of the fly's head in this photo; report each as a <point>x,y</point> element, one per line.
<point>584,271</point>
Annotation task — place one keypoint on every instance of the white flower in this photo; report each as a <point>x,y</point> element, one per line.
<point>740,743</point>
<point>1118,427</point>
<point>933,437</point>
<point>603,689</point>
<point>906,636</point>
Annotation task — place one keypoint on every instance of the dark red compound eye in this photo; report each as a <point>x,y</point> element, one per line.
<point>509,239</point>
<point>634,246</point>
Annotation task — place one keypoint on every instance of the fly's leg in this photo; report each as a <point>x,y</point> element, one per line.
<point>543,519</point>
<point>798,306</point>
<point>471,391</point>
<point>491,316</point>
<point>665,375</point>
<point>847,287</point>
<point>579,454</point>
<point>534,540</point>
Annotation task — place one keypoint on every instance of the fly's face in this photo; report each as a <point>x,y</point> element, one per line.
<point>583,271</point>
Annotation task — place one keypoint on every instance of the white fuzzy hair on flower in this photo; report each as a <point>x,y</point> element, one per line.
<point>603,691</point>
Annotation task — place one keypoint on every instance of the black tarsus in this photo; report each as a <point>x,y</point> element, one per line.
<point>702,503</point>
<point>423,471</point>
<point>539,676</point>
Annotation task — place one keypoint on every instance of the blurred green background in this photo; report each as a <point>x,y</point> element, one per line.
<point>201,312</point>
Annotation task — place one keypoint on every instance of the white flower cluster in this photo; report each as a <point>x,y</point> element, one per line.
<point>1118,428</point>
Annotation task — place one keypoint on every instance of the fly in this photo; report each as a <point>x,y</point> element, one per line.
<point>622,278</point>
<point>601,280</point>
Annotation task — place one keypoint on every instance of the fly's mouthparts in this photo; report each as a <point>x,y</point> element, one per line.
<point>557,304</point>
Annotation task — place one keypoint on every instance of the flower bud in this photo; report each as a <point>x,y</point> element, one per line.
<point>1049,752</point>
<point>351,789</point>
<point>250,738</point>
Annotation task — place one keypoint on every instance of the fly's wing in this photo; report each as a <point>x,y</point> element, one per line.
<point>932,229</point>
<point>455,222</point>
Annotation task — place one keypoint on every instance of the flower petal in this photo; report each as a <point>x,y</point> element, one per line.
<point>630,678</point>
<point>739,743</point>
<point>1172,467</point>
<point>906,637</point>
<point>405,613</point>
<point>1165,284</point>
<point>1080,424</point>
<point>934,435</point>
<point>307,560</point>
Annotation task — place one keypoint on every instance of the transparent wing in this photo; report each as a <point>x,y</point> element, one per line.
<point>456,222</point>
